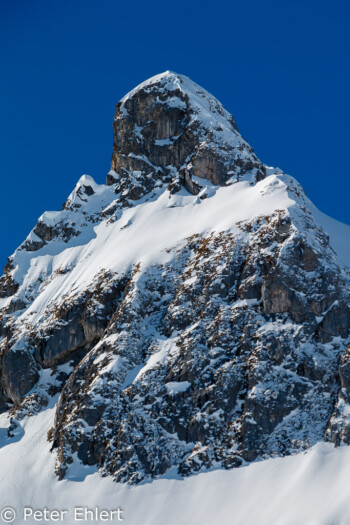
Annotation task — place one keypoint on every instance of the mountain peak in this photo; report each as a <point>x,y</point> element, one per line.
<point>173,82</point>
<point>167,79</point>
<point>169,129</point>
<point>181,333</point>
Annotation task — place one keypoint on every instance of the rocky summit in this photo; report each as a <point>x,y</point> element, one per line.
<point>192,313</point>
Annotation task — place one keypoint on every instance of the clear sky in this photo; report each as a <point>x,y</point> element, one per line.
<point>281,67</point>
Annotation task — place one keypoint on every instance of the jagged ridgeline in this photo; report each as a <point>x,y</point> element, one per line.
<point>192,313</point>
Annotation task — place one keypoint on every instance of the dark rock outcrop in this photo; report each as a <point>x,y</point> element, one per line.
<point>163,128</point>
<point>20,372</point>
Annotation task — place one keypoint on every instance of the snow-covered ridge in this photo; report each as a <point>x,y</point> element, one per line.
<point>158,225</point>
<point>153,226</point>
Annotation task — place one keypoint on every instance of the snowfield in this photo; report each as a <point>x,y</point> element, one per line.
<point>306,489</point>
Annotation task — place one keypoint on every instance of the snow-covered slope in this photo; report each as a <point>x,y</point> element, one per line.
<point>189,316</point>
<point>141,234</point>
<point>310,488</point>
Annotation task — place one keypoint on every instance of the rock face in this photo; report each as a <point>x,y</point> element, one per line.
<point>171,129</point>
<point>191,313</point>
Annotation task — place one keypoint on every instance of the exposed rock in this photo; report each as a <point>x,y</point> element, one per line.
<point>79,324</point>
<point>8,286</point>
<point>161,128</point>
<point>20,372</point>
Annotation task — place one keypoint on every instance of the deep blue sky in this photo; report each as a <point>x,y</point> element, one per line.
<point>281,67</point>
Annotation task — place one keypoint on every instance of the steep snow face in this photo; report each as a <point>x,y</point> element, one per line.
<point>141,234</point>
<point>192,313</point>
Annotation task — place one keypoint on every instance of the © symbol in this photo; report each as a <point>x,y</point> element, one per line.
<point>8,515</point>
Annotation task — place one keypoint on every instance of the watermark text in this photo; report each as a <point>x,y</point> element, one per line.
<point>77,514</point>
